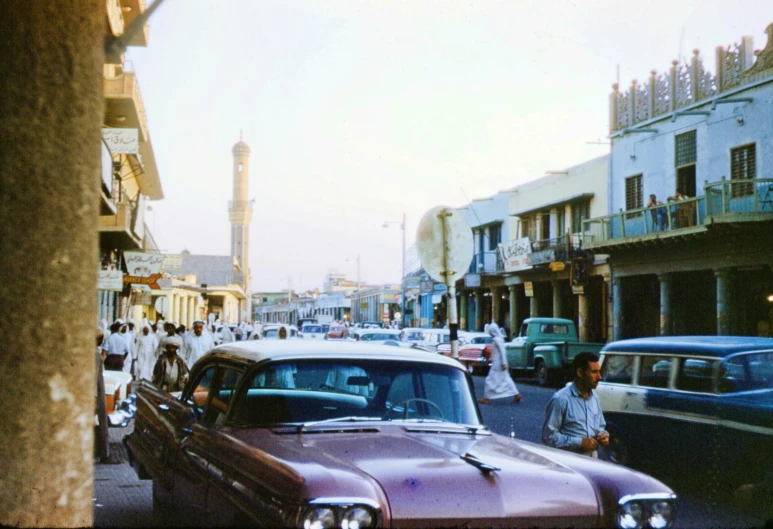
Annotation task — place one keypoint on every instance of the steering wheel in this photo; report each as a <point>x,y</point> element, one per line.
<point>405,403</point>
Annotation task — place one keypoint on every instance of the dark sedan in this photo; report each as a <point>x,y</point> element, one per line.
<point>331,434</point>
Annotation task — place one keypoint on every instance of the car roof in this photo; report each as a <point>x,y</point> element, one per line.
<point>562,321</point>
<point>261,350</point>
<point>717,346</point>
<point>378,331</point>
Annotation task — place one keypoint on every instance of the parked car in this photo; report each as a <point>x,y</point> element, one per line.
<point>271,331</point>
<point>337,332</point>
<point>312,434</point>
<point>696,406</point>
<point>474,352</point>
<point>431,338</point>
<point>411,334</point>
<point>376,335</point>
<point>312,331</point>
<point>545,348</point>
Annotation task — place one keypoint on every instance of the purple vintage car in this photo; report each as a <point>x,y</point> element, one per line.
<point>332,434</point>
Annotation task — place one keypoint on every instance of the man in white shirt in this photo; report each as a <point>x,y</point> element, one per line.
<point>196,343</point>
<point>115,349</point>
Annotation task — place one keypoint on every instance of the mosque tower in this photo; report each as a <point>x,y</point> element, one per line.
<point>240,215</point>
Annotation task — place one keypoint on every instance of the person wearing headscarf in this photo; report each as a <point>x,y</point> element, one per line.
<point>170,372</point>
<point>226,335</point>
<point>498,383</point>
<point>197,343</point>
<point>101,441</point>
<point>147,343</point>
<point>169,329</point>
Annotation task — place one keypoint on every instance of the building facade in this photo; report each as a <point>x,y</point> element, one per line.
<point>690,225</point>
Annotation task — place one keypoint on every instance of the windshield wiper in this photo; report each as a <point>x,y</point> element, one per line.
<point>351,418</point>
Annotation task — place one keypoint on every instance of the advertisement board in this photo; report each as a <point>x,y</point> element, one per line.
<point>121,141</point>
<point>515,254</point>
<point>110,280</point>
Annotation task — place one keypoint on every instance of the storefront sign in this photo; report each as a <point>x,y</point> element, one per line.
<point>110,280</point>
<point>141,280</point>
<point>172,262</point>
<point>515,254</point>
<point>557,266</point>
<point>121,141</point>
<point>426,286</point>
<point>545,256</point>
<point>528,288</point>
<point>472,280</point>
<point>412,282</point>
<point>578,289</point>
<point>437,298</point>
<point>143,264</point>
<point>439,287</point>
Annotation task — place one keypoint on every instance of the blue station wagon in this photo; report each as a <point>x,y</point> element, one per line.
<point>698,408</point>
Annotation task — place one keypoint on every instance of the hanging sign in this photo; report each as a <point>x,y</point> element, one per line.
<point>143,264</point>
<point>110,280</point>
<point>121,141</point>
<point>528,288</point>
<point>516,254</point>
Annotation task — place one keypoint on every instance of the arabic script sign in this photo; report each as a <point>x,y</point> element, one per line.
<point>150,281</point>
<point>110,280</point>
<point>515,254</point>
<point>121,141</point>
<point>143,264</point>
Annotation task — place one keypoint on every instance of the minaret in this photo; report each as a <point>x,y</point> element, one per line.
<point>240,215</point>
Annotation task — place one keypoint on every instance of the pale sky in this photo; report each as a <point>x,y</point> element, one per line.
<point>358,111</point>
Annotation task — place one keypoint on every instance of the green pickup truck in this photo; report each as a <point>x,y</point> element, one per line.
<point>546,347</point>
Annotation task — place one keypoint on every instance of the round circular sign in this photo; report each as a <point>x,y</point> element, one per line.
<point>162,304</point>
<point>444,242</point>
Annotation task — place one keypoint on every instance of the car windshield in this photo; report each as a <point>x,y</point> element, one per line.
<point>312,328</point>
<point>482,340</point>
<point>377,336</point>
<point>296,392</point>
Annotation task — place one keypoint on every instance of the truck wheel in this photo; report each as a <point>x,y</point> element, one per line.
<point>542,373</point>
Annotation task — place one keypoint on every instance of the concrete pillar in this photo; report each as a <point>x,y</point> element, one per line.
<point>514,316</point>
<point>51,59</point>
<point>495,304</point>
<point>170,305</point>
<point>184,312</point>
<point>478,309</point>
<point>192,314</point>
<point>666,304</point>
<point>582,317</point>
<point>558,300</point>
<point>723,301</point>
<point>618,318</point>
<point>463,310</point>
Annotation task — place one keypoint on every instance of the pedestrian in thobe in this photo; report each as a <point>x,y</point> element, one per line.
<point>197,343</point>
<point>168,331</point>
<point>499,384</point>
<point>170,372</point>
<point>115,349</point>
<point>101,440</point>
<point>226,336</point>
<point>129,360</point>
<point>147,343</point>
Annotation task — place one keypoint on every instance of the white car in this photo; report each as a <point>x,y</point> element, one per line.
<point>378,336</point>
<point>271,331</point>
<point>312,331</point>
<point>431,338</point>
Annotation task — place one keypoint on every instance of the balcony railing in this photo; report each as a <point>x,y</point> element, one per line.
<point>486,263</point>
<point>726,198</point>
<point>118,92</point>
<point>564,247</point>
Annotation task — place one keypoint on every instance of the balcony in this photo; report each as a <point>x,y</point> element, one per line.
<point>561,249</point>
<point>742,200</point>
<point>132,9</point>
<point>125,229</point>
<point>486,263</point>
<point>123,104</point>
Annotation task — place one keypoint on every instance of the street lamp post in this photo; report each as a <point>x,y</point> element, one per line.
<point>402,279</point>
<point>358,287</point>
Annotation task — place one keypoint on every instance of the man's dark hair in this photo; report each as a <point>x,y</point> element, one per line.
<point>582,360</point>
<point>115,327</point>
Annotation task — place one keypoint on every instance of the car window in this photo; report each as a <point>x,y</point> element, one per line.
<point>553,328</point>
<point>696,375</point>
<point>654,371</point>
<point>312,328</point>
<point>618,369</point>
<point>323,390</point>
<point>200,393</point>
<point>746,373</point>
<point>221,393</point>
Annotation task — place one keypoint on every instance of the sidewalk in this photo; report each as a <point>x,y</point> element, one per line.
<point>120,498</point>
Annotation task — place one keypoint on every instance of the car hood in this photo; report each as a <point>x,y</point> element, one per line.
<point>421,471</point>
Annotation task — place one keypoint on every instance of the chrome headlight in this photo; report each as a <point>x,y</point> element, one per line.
<point>655,511</point>
<point>340,513</point>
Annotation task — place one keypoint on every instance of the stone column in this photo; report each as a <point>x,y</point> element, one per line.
<point>618,317</point>
<point>192,314</point>
<point>478,309</point>
<point>514,316</point>
<point>723,301</point>
<point>463,310</point>
<point>51,58</point>
<point>666,312</point>
<point>582,317</point>
<point>558,300</point>
<point>495,304</point>
<point>184,319</point>
<point>609,317</point>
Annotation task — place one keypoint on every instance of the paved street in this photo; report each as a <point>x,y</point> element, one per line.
<point>122,500</point>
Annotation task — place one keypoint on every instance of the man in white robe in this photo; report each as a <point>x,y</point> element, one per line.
<point>196,343</point>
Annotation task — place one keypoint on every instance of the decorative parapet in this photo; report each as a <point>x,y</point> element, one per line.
<point>686,84</point>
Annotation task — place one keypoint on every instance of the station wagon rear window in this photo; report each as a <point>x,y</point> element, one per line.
<point>655,371</point>
<point>553,328</point>
<point>618,369</point>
